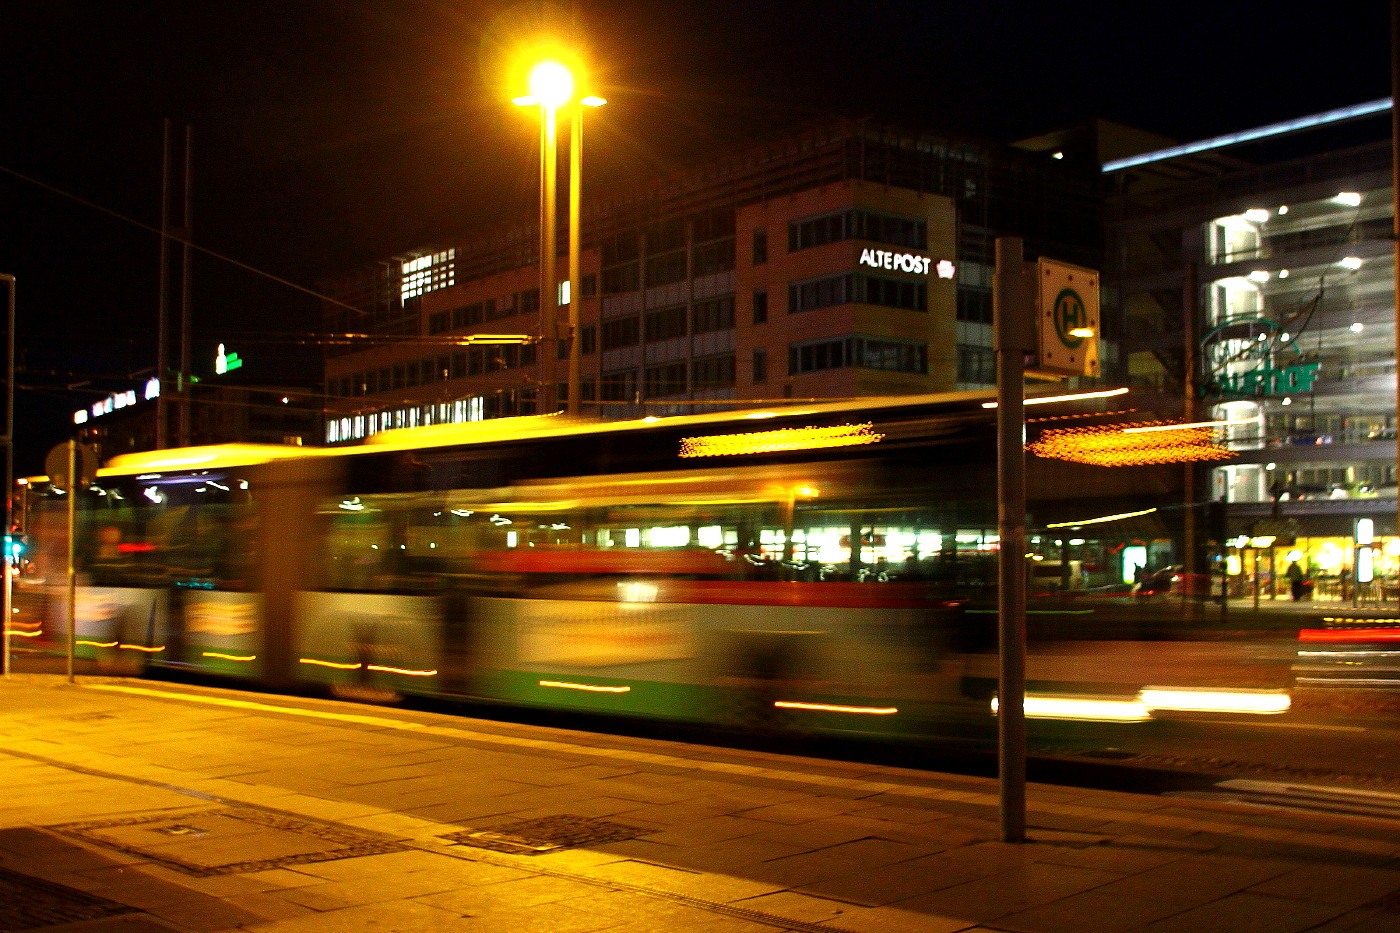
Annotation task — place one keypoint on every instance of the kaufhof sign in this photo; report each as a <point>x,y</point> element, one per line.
<point>1269,381</point>
<point>905,262</point>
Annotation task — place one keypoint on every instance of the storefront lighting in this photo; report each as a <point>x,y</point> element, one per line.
<point>1262,541</point>
<point>1287,400</point>
<point>1348,199</point>
<point>1259,275</point>
<point>1350,262</point>
<point>1256,214</point>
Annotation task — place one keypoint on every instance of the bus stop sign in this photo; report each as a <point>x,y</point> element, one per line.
<point>84,460</point>
<point>1067,319</point>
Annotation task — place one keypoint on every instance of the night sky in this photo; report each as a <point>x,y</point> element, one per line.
<point>331,133</point>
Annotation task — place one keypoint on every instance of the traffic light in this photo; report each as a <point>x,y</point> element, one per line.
<point>16,545</point>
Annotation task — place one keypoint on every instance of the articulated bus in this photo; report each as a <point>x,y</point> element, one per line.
<point>821,567</point>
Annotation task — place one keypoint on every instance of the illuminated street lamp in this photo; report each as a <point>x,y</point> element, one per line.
<point>552,87</point>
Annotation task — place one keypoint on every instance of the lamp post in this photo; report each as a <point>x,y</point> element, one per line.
<point>8,593</point>
<point>551,87</point>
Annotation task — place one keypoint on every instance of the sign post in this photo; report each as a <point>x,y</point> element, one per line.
<point>1047,314</point>
<point>1013,326</point>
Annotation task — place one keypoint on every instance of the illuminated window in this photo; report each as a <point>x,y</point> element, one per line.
<point>427,274</point>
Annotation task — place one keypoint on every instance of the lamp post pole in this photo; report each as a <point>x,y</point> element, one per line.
<point>575,258</point>
<point>549,247</point>
<point>9,471</point>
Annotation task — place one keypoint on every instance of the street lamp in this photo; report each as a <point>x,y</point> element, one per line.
<point>552,87</point>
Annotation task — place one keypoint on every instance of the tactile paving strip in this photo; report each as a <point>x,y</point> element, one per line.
<point>547,834</point>
<point>28,903</point>
<point>229,840</point>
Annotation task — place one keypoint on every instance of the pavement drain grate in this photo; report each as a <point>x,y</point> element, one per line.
<point>228,841</point>
<point>547,834</point>
<point>28,903</point>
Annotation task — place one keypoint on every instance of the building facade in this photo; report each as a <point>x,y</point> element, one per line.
<point>848,261</point>
<point>1262,291</point>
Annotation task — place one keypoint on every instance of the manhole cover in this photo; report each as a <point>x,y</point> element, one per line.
<point>547,834</point>
<point>227,841</point>
<point>31,903</point>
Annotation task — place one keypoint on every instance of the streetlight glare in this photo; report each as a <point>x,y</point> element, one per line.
<point>552,84</point>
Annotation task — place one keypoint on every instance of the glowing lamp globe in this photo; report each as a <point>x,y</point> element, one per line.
<point>551,84</point>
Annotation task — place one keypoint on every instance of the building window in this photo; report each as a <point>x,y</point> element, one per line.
<point>527,301</point>
<point>425,274</point>
<point>976,365</point>
<point>709,258</point>
<point>618,387</point>
<point>439,322</point>
<point>588,339</point>
<point>468,315</point>
<point>622,332</point>
<point>819,293</point>
<point>760,246</point>
<point>712,372</point>
<point>625,278</point>
<point>975,304</point>
<point>892,293</point>
<point>909,232</point>
<point>760,307</point>
<point>665,323</point>
<point>712,315</point>
<point>898,356</point>
<point>668,379</point>
<point>666,268</point>
<point>760,365</point>
<point>590,286</point>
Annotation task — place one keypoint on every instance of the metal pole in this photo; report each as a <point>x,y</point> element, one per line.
<point>575,258</point>
<point>72,529</point>
<point>549,248</point>
<point>162,300</point>
<point>186,232</point>
<point>1012,323</point>
<point>1395,205</point>
<point>9,600</point>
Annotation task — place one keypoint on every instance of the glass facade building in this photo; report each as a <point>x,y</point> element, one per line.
<point>1259,286</point>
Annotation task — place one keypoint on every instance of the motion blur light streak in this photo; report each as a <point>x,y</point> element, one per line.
<point>335,664</point>
<point>1096,710</point>
<point>229,657</point>
<point>96,644</point>
<point>1047,399</point>
<point>591,688</point>
<point>1100,519</point>
<point>768,442</point>
<point>1215,701</point>
<point>831,708</point>
<point>147,648</point>
<point>1349,634</point>
<point>1111,445</point>
<point>399,670</point>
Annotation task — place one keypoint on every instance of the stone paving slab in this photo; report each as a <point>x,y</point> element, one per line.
<point>735,841</point>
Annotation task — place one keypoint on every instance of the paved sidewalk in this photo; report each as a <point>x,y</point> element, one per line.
<point>134,806</point>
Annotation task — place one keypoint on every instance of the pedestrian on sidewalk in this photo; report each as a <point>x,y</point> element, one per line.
<point>1295,580</point>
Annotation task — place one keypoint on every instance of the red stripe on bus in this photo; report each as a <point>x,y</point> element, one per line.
<point>1349,634</point>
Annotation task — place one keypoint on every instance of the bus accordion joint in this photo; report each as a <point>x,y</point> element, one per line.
<point>779,441</point>
<point>835,708</point>
<point>591,688</point>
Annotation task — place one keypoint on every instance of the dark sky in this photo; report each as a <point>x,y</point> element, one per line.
<point>329,133</point>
